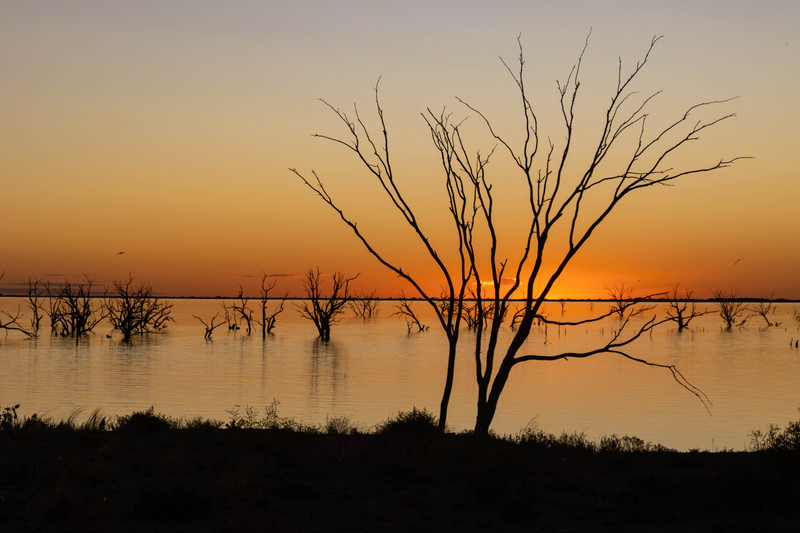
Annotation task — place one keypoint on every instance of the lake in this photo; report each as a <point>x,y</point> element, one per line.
<point>371,369</point>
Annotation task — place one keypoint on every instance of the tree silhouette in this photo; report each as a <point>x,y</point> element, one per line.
<point>324,310</point>
<point>133,309</point>
<point>71,308</point>
<point>681,310</point>
<point>568,194</point>
<point>268,317</point>
<point>731,309</point>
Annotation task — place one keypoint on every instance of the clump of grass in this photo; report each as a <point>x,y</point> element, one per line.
<point>533,436</point>
<point>628,444</point>
<point>340,425</point>
<point>414,422</point>
<point>251,418</point>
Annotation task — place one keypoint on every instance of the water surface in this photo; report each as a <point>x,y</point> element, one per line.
<point>373,369</point>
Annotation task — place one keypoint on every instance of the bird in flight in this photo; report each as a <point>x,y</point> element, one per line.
<point>737,261</point>
<point>120,253</point>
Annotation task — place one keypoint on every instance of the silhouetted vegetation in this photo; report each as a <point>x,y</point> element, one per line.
<point>731,309</point>
<point>71,308</point>
<point>413,322</point>
<point>681,310</point>
<point>776,438</point>
<point>205,478</point>
<point>764,310</point>
<point>35,297</point>
<point>323,311</point>
<point>268,317</point>
<point>242,310</point>
<point>133,309</point>
<point>365,305</point>
<point>414,422</point>
<point>210,325</point>
<point>565,208</point>
<point>621,295</point>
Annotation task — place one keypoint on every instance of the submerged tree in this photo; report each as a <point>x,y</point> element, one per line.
<point>620,294</point>
<point>133,309</point>
<point>268,317</point>
<point>323,311</point>
<point>764,309</point>
<point>413,322</point>
<point>365,305</point>
<point>72,308</point>
<point>731,309</point>
<point>210,325</point>
<point>568,195</point>
<point>242,310</point>
<point>9,322</point>
<point>682,309</point>
<point>35,303</point>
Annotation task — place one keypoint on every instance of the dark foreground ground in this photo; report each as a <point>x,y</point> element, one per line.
<point>271,480</point>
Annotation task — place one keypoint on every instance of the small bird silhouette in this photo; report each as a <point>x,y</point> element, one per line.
<point>737,261</point>
<point>120,253</point>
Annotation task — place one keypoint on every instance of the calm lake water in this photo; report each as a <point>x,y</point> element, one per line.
<point>372,369</point>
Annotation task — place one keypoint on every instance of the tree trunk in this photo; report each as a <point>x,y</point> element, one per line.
<point>487,409</point>
<point>448,384</point>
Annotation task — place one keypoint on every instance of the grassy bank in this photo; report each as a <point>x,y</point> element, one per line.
<point>261,472</point>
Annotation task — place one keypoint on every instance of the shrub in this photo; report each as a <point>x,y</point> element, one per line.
<point>145,422</point>
<point>8,418</point>
<point>414,422</point>
<point>340,425</point>
<point>775,438</point>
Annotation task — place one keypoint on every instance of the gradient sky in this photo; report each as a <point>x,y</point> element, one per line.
<point>166,130</point>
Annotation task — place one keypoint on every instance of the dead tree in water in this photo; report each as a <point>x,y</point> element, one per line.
<point>620,294</point>
<point>72,309</point>
<point>681,310</point>
<point>35,304</point>
<point>11,322</point>
<point>268,316</point>
<point>568,192</point>
<point>133,309</point>
<point>210,326</point>
<point>324,310</point>
<point>365,305</point>
<point>764,309</point>
<point>731,309</point>
<point>242,310</point>
<point>412,320</point>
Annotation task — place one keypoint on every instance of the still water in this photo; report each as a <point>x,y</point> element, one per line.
<point>371,369</point>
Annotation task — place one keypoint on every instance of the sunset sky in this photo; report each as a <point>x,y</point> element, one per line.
<point>165,130</point>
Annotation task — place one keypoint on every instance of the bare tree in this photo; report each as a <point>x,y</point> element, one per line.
<point>682,309</point>
<point>231,316</point>
<point>565,208</point>
<point>731,309</point>
<point>133,309</point>
<point>72,309</point>
<point>268,317</point>
<point>324,310</point>
<point>243,310</point>
<point>764,309</point>
<point>620,294</point>
<point>365,305</point>
<point>413,322</point>
<point>11,322</point>
<point>210,325</point>
<point>35,303</point>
